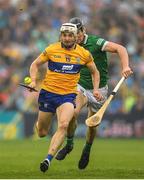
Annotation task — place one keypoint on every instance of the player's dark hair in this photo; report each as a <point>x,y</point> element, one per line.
<point>78,23</point>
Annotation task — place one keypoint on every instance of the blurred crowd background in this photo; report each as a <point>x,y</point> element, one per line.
<point>28,26</point>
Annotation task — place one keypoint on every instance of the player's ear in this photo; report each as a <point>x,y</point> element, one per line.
<point>84,30</point>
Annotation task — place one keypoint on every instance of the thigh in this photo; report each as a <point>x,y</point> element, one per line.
<point>81,101</point>
<point>65,113</point>
<point>44,120</point>
<point>46,101</point>
<point>93,104</point>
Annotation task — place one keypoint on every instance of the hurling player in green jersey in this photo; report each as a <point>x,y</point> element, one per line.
<point>98,48</point>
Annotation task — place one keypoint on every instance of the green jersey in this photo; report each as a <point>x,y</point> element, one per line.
<point>95,46</point>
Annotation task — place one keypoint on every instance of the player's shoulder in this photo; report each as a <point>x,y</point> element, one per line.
<point>96,39</point>
<point>82,49</point>
<point>84,53</point>
<point>53,46</point>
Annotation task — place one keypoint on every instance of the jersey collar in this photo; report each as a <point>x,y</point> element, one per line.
<point>85,38</point>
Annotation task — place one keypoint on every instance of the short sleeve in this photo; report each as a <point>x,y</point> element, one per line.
<point>100,43</point>
<point>44,56</point>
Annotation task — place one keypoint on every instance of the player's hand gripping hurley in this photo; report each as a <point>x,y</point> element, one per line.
<point>95,120</point>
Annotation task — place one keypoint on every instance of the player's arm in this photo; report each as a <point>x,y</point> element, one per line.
<point>35,66</point>
<point>96,79</point>
<point>122,52</point>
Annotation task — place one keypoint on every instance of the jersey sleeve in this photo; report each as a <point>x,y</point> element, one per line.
<point>89,57</point>
<point>101,43</point>
<point>44,56</point>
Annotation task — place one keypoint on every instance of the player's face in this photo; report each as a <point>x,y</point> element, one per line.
<point>80,37</point>
<point>68,39</point>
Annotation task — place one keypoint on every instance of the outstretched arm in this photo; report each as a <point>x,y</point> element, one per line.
<point>122,52</point>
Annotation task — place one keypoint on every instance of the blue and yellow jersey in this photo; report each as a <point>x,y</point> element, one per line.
<point>63,68</point>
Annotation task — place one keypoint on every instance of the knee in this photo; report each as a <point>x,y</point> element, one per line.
<point>73,123</point>
<point>76,113</point>
<point>40,131</point>
<point>92,129</point>
<point>63,126</point>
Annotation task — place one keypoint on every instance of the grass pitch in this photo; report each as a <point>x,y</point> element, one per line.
<point>110,158</point>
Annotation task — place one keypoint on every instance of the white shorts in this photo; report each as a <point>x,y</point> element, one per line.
<point>92,102</point>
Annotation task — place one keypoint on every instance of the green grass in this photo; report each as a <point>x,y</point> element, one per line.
<point>110,158</point>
